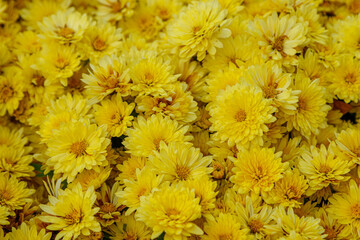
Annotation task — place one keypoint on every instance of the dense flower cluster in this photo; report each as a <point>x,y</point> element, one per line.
<point>179,119</point>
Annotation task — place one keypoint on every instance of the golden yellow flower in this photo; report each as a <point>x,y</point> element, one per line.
<point>333,228</point>
<point>348,145</point>
<point>164,9</point>
<point>115,10</point>
<point>13,138</point>
<point>178,161</point>
<point>15,162</point>
<point>11,90</point>
<point>91,178</point>
<point>322,167</point>
<point>171,210</point>
<point>71,213</point>
<point>257,169</point>
<point>27,232</point>
<point>146,134</point>
<point>75,147</point>
<point>128,168</point>
<point>129,228</point>
<point>198,29</point>
<point>115,114</point>
<point>239,115</point>
<point>225,226</point>
<point>107,76</point>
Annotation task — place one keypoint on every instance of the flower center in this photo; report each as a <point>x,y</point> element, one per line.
<point>270,90</point>
<point>279,43</point>
<point>240,115</point>
<point>255,225</point>
<point>4,196</point>
<point>6,93</point>
<point>78,148</point>
<point>39,80</point>
<point>182,172</point>
<point>142,191</point>
<point>196,29</point>
<point>293,193</point>
<point>350,78</point>
<point>302,104</point>
<point>219,171</point>
<point>74,217</point>
<point>61,62</point>
<point>324,168</point>
<point>66,32</point>
<point>164,14</point>
<point>355,210</point>
<point>108,208</point>
<point>225,237</point>
<point>116,118</point>
<point>157,143</point>
<point>149,78</point>
<point>331,232</point>
<point>130,236</point>
<point>116,7</point>
<point>172,212</point>
<point>99,44</point>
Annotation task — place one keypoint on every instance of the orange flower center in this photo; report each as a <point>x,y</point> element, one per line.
<point>74,217</point>
<point>66,32</point>
<point>240,115</point>
<point>117,6</point>
<point>182,172</point>
<point>302,104</point>
<point>355,210</point>
<point>5,196</point>
<point>130,236</point>
<point>116,118</point>
<point>142,191</point>
<point>99,44</point>
<point>331,232</point>
<point>172,212</point>
<point>350,78</point>
<point>324,168</point>
<point>293,193</point>
<point>61,62</point>
<point>278,44</point>
<point>108,208</point>
<point>6,93</point>
<point>79,148</point>
<point>270,90</point>
<point>255,225</point>
<point>225,237</point>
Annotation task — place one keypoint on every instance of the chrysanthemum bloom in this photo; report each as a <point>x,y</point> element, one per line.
<point>345,207</point>
<point>91,178</point>
<point>129,228</point>
<point>27,43</point>
<point>239,115</point>
<point>115,114</point>
<point>4,213</point>
<point>13,193</point>
<point>204,188</point>
<point>76,104</point>
<point>11,90</point>
<point>348,145</point>
<point>312,109</point>
<point>322,167</point>
<point>109,204</point>
<point>58,62</point>
<point>15,162</point>
<point>288,190</point>
<point>179,161</point>
<point>64,26</point>
<point>128,168</point>
<point>152,74</point>
<point>107,76</point>
<point>71,213</point>
<point>164,9</point>
<point>13,138</point>
<point>146,181</point>
<point>257,169</point>
<point>100,40</point>
<point>28,232</point>
<point>225,226</point>
<point>254,218</point>
<point>279,36</point>
<point>171,210</point>
<point>333,228</point>
<point>198,29</point>
<point>146,134</point>
<point>115,10</point>
<point>290,226</point>
<point>345,80</point>
<point>75,147</point>
<point>275,86</point>
<point>178,104</point>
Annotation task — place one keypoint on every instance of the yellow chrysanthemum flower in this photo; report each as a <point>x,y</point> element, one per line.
<point>115,114</point>
<point>279,36</point>
<point>198,29</point>
<point>171,210</point>
<point>129,228</point>
<point>146,134</point>
<point>100,40</point>
<point>345,81</point>
<point>11,90</point>
<point>322,167</point>
<point>257,169</point>
<point>177,104</point>
<point>333,228</point>
<point>145,183</point>
<point>64,26</point>
<point>225,226</point>
<point>152,74</point>
<point>27,42</point>
<point>275,86</point>
<point>13,193</point>
<point>348,145</point>
<point>290,226</point>
<point>345,207</point>
<point>164,9</point>
<point>26,232</point>
<point>4,213</point>
<point>179,161</point>
<point>75,147</point>
<point>91,178</point>
<point>35,11</point>
<point>239,115</point>
<point>71,213</point>
<point>128,168</point>
<point>15,162</point>
<point>312,109</point>
<point>13,138</point>
<point>115,10</point>
<point>289,190</point>
<point>58,62</point>
<point>254,218</point>
<point>107,76</point>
